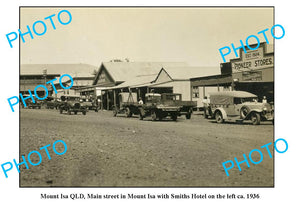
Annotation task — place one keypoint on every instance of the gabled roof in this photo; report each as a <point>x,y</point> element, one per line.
<point>124,71</point>
<point>136,81</point>
<point>75,70</point>
<point>186,73</point>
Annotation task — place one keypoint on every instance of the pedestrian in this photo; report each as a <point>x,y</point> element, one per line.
<point>264,100</point>
<point>140,101</point>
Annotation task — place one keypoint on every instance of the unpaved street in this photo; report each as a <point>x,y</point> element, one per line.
<point>118,151</point>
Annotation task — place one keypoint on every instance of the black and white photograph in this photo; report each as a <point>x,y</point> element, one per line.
<point>149,106</point>
<point>147,97</point>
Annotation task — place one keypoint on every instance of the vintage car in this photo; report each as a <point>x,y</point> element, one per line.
<point>90,104</point>
<point>52,103</point>
<point>238,106</point>
<point>71,103</point>
<point>30,104</point>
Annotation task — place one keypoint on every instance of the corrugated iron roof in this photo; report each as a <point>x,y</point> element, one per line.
<point>124,71</point>
<point>136,81</point>
<point>185,73</point>
<point>75,70</point>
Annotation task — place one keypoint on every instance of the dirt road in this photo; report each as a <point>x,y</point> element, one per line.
<point>118,151</point>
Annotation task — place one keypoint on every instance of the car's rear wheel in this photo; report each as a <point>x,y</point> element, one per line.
<point>154,115</point>
<point>69,111</point>
<point>219,117</point>
<point>75,113</point>
<point>84,112</point>
<point>60,111</point>
<point>255,118</point>
<point>128,112</point>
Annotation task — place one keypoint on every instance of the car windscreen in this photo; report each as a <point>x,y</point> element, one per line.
<point>243,100</point>
<point>153,98</point>
<point>173,97</point>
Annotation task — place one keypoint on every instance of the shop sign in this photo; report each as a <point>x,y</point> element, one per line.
<point>252,76</point>
<point>252,60</point>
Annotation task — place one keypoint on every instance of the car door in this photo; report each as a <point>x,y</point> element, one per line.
<point>232,109</point>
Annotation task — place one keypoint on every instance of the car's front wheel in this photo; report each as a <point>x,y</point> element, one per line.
<point>255,118</point>
<point>219,117</point>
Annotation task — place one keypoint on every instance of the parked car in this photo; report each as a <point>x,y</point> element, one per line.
<point>37,104</point>
<point>30,104</point>
<point>71,104</point>
<point>90,104</point>
<point>159,106</point>
<point>238,106</point>
<point>52,103</point>
<point>127,103</point>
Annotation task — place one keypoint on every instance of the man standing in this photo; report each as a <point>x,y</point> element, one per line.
<point>140,101</point>
<point>264,100</point>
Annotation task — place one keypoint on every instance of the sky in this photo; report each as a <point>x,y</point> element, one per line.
<point>96,35</point>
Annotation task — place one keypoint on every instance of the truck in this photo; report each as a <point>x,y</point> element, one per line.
<point>160,106</point>
<point>127,103</point>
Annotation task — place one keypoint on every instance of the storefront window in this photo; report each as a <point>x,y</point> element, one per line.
<point>195,92</point>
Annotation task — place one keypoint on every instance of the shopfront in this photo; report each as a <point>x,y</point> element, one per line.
<point>253,71</point>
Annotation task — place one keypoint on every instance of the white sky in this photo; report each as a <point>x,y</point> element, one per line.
<point>191,35</point>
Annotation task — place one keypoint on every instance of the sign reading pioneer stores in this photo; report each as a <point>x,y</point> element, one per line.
<point>252,60</point>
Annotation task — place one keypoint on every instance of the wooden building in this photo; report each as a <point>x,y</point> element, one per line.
<point>32,75</point>
<point>112,74</point>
